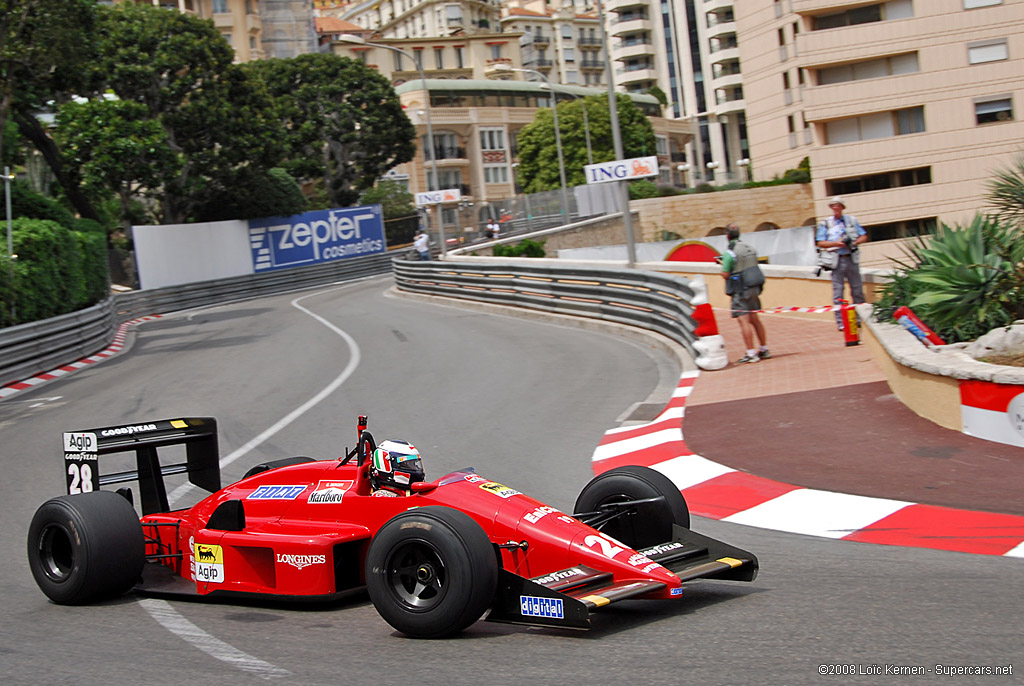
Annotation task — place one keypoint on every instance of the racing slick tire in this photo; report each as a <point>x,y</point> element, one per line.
<point>431,572</point>
<point>86,547</point>
<point>652,522</point>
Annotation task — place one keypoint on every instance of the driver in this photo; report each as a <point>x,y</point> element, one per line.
<point>395,467</point>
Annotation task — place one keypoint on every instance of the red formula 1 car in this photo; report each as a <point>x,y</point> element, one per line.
<point>433,561</point>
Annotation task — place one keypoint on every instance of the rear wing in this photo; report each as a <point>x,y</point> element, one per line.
<point>202,462</point>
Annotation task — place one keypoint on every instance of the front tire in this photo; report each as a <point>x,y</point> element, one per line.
<point>431,572</point>
<point>85,547</point>
<point>652,522</point>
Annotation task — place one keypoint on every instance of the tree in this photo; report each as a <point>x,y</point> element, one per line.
<point>45,47</point>
<point>538,155</point>
<point>394,199</point>
<point>116,147</point>
<point>343,121</point>
<point>1006,193</point>
<point>254,194</point>
<point>216,120</point>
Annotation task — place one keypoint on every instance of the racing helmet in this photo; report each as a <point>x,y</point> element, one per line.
<point>396,465</point>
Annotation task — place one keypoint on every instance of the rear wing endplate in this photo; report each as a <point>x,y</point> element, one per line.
<point>202,462</point>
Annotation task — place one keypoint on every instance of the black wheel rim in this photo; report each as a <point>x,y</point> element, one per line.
<point>56,553</point>
<point>416,575</point>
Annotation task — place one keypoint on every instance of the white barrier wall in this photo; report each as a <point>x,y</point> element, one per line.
<point>174,254</point>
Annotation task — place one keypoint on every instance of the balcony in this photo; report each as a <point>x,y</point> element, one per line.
<point>619,5</point>
<point>448,153</point>
<point>631,24</point>
<point>636,49</point>
<point>592,41</point>
<point>541,39</point>
<point>592,64</point>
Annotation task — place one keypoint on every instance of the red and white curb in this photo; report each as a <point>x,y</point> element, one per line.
<point>116,345</point>
<point>719,492</point>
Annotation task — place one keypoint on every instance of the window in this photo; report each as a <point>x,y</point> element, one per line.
<point>971,4</point>
<point>220,6</point>
<point>569,54</point>
<point>439,58</point>
<point>782,37</point>
<point>880,181</point>
<point>989,111</point>
<point>566,32</point>
<point>492,139</point>
<point>454,14</point>
<point>661,144</point>
<point>895,9</point>
<point>495,173</point>
<point>496,51</point>
<point>785,80</point>
<point>450,178</point>
<point>869,69</point>
<point>877,125</point>
<point>460,60</point>
<point>226,37</point>
<point>397,56</point>
<point>987,51</point>
<point>572,76</point>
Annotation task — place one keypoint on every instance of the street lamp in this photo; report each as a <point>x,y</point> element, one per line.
<point>613,119</point>
<point>586,122</point>
<point>359,40</point>
<point>8,177</point>
<point>745,163</point>
<point>558,135</point>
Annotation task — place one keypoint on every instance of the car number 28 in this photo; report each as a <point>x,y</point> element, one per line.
<point>81,478</point>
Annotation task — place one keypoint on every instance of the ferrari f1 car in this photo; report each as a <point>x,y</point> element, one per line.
<point>433,562</point>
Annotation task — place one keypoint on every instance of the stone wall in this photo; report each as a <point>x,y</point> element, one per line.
<point>696,215</point>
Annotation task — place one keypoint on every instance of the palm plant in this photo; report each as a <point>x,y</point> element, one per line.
<point>1006,193</point>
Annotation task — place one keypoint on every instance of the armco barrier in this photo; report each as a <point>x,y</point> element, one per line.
<point>29,349</point>
<point>654,301</point>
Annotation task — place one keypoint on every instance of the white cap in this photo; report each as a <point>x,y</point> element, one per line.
<point>838,200</point>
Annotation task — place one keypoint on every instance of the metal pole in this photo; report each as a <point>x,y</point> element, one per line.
<point>558,144</point>
<point>613,113</point>
<point>10,238</point>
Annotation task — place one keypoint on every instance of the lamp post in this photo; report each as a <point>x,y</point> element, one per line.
<point>558,135</point>
<point>745,163</point>
<point>359,40</point>
<point>8,177</point>
<point>613,117</point>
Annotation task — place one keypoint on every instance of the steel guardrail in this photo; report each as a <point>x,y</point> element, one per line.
<point>658,302</point>
<point>30,349</point>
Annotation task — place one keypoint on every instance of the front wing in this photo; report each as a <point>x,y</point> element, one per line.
<point>567,598</point>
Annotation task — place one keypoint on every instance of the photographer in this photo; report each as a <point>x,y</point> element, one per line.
<point>844,233</point>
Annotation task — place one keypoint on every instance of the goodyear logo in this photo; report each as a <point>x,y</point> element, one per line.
<point>499,490</point>
<point>532,606</point>
<point>209,563</point>
<point>287,492</point>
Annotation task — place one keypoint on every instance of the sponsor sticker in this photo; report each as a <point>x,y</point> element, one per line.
<point>532,606</point>
<point>559,576</point>
<point>128,430</point>
<point>499,490</point>
<point>662,548</point>
<point>474,479</point>
<point>301,561</point>
<point>209,563</point>
<point>80,443</point>
<point>536,515</point>
<point>676,591</point>
<point>288,492</point>
<point>329,492</point>
<point>81,463</point>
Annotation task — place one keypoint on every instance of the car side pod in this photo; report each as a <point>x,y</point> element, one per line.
<point>566,598</point>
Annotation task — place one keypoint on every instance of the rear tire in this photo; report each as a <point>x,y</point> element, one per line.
<point>85,547</point>
<point>431,572</point>
<point>652,523</point>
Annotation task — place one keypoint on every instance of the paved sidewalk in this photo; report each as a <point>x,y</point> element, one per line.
<point>820,415</point>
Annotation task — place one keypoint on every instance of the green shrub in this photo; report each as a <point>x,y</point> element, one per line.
<point>962,281</point>
<point>25,202</point>
<point>639,190</point>
<point>525,248</point>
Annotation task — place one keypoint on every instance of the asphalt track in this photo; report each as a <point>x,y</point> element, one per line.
<point>526,403</point>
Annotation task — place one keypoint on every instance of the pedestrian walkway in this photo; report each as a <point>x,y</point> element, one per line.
<point>812,442</point>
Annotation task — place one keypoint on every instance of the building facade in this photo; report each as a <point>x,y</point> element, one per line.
<point>564,44</point>
<point>906,107</point>
<point>238,21</point>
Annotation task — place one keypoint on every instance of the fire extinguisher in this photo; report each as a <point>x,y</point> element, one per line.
<point>851,334</point>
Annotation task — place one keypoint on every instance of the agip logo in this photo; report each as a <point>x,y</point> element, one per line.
<point>315,237</point>
<point>209,563</point>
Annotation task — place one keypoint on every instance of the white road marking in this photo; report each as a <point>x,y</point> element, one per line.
<point>169,618</point>
<point>161,611</point>
<point>300,410</point>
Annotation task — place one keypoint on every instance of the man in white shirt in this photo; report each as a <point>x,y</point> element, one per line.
<point>842,232</point>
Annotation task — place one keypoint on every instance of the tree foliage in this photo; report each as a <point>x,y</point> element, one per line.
<point>538,154</point>
<point>216,120</point>
<point>343,123</point>
<point>1006,193</point>
<point>394,199</point>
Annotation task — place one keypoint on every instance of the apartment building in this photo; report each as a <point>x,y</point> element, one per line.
<point>564,44</point>
<point>905,107</point>
<point>238,21</point>
<point>425,18</point>
<point>688,49</point>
